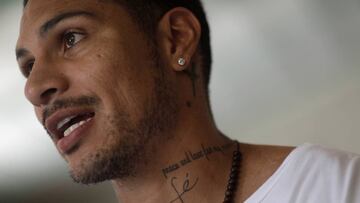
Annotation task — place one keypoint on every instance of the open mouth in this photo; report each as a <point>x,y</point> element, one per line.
<point>69,124</point>
<point>67,127</point>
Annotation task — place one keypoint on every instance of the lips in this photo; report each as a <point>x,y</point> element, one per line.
<point>67,127</point>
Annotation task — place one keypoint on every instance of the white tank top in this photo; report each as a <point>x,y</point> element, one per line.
<point>313,174</point>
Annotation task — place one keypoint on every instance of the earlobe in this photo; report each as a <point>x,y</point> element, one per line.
<point>179,34</point>
<point>182,61</point>
<point>181,64</point>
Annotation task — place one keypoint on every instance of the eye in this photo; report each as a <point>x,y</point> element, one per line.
<point>72,38</point>
<point>28,68</point>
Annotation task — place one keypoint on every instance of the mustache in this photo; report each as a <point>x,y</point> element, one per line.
<point>82,101</point>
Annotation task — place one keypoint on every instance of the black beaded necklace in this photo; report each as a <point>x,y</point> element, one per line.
<point>233,177</point>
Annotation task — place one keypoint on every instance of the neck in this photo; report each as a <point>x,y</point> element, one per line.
<point>183,169</point>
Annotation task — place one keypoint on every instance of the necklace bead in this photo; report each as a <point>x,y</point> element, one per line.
<point>233,176</point>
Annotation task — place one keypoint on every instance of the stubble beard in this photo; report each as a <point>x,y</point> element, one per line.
<point>128,152</point>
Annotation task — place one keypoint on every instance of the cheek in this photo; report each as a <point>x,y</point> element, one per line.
<point>121,82</point>
<point>106,79</point>
<point>122,92</point>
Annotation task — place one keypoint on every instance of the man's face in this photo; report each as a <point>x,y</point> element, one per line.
<point>95,84</point>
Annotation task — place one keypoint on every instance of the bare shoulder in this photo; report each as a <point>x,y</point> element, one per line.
<point>265,157</point>
<point>266,152</point>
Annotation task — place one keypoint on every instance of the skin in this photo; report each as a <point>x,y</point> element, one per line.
<point>112,61</point>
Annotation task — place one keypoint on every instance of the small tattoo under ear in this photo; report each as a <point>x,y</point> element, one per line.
<point>188,104</point>
<point>193,77</point>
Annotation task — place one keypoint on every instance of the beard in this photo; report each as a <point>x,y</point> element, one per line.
<point>129,143</point>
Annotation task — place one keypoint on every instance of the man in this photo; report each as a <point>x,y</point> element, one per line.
<point>121,87</point>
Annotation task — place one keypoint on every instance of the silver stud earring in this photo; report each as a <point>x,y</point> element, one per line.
<point>181,61</point>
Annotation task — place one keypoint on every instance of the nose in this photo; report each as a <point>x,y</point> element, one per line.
<point>44,84</point>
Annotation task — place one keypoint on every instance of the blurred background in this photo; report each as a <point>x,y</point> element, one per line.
<point>285,72</point>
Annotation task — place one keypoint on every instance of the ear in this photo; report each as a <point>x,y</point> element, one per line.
<point>178,37</point>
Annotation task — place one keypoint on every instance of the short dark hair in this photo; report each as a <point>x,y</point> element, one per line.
<point>147,13</point>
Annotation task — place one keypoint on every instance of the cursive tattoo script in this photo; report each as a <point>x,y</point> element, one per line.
<point>186,188</point>
<point>191,156</point>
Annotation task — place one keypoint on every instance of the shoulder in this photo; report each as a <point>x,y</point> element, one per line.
<point>329,175</point>
<point>268,157</point>
<point>266,152</point>
<point>306,154</point>
<point>313,173</point>
<point>258,164</point>
<point>321,157</point>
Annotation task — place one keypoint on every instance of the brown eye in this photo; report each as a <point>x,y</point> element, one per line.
<point>72,38</point>
<point>28,68</point>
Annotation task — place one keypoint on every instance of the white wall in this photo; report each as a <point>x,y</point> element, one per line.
<point>287,71</point>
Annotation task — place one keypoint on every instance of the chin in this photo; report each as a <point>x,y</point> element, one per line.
<point>106,162</point>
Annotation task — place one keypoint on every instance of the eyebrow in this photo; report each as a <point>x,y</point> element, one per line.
<point>50,24</point>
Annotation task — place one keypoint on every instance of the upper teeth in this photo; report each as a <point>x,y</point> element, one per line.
<point>63,122</point>
<point>74,127</point>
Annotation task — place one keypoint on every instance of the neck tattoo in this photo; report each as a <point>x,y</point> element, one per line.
<point>233,177</point>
